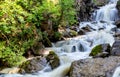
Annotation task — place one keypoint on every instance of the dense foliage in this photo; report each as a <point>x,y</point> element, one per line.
<point>23,23</point>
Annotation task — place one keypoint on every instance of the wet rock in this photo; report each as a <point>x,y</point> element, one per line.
<point>116,48</point>
<point>102,50</point>
<point>117,35</point>
<point>117,23</point>
<point>33,65</point>
<point>86,28</point>
<point>81,32</point>
<point>114,29</point>
<point>93,67</point>
<point>53,59</point>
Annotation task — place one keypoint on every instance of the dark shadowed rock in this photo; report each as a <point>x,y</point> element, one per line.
<point>118,7</point>
<point>33,65</point>
<point>86,28</point>
<point>94,67</point>
<point>116,48</point>
<point>81,32</point>
<point>117,23</point>
<point>84,9</point>
<point>102,50</point>
<point>117,34</point>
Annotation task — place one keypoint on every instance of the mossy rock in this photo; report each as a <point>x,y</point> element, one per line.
<point>100,2</point>
<point>97,49</point>
<point>53,59</point>
<point>102,50</point>
<point>73,33</point>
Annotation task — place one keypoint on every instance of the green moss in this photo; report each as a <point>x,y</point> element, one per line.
<point>97,49</point>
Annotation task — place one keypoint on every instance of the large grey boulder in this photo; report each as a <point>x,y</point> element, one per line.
<point>94,67</point>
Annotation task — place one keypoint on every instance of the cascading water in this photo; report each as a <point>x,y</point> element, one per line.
<point>107,12</point>
<point>80,47</point>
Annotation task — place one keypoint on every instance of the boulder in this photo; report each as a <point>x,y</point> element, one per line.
<point>33,65</point>
<point>102,50</point>
<point>94,67</point>
<point>116,48</point>
<point>53,59</point>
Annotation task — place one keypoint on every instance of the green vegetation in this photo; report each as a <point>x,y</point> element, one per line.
<point>96,50</point>
<point>23,23</point>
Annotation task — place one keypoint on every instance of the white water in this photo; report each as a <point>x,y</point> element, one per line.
<point>117,72</point>
<point>80,47</point>
<point>107,12</point>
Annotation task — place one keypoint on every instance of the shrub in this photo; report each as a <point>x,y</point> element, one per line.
<point>16,33</point>
<point>24,22</point>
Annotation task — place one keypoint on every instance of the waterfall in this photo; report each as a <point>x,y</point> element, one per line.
<point>79,47</point>
<point>113,1</point>
<point>107,12</point>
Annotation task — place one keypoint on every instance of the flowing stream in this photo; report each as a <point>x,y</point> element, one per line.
<point>79,47</point>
